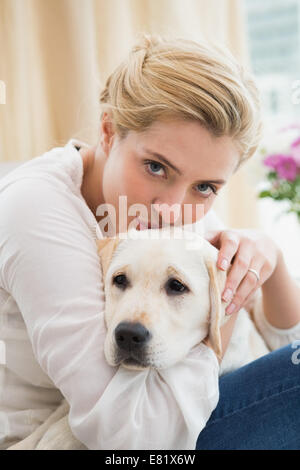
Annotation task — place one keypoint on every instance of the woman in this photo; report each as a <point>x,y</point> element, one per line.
<point>179,118</point>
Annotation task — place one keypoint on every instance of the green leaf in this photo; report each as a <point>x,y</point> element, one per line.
<point>272,175</point>
<point>265,193</point>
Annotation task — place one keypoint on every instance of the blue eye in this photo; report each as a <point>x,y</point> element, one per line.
<point>155,167</point>
<point>207,186</point>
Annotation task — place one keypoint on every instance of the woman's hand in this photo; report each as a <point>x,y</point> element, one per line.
<point>245,248</point>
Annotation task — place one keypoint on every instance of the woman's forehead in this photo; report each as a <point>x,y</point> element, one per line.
<point>189,146</point>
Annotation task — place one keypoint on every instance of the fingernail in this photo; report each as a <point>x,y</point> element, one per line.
<point>230,309</point>
<point>224,264</point>
<point>227,294</point>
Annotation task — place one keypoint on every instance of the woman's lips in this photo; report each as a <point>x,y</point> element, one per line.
<point>141,225</point>
<point>144,226</point>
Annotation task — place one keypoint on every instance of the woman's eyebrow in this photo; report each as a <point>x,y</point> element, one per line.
<point>166,161</point>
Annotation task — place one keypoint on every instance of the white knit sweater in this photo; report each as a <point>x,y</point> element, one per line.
<point>52,326</point>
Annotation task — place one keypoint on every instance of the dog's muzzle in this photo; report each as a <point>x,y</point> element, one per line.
<point>131,340</point>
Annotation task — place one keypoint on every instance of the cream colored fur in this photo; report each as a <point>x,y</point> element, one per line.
<point>183,320</point>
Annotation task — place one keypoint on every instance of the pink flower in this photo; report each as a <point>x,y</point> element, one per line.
<point>287,168</point>
<point>273,160</point>
<point>296,142</point>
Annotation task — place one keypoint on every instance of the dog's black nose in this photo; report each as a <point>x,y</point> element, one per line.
<point>131,336</point>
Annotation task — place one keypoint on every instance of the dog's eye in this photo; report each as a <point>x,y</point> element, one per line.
<point>120,281</point>
<point>175,287</point>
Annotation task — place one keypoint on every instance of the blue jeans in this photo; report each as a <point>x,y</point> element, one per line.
<point>259,406</point>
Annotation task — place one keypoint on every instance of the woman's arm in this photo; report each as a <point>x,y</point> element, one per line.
<point>49,264</point>
<point>281,297</point>
<point>212,222</point>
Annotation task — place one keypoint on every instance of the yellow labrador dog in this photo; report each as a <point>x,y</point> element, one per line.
<point>162,298</point>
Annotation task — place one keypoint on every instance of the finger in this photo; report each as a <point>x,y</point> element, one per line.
<point>213,237</point>
<point>238,269</point>
<point>249,301</point>
<point>247,288</point>
<point>229,246</point>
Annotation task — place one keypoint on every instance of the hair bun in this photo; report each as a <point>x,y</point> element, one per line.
<point>166,77</point>
<point>146,41</point>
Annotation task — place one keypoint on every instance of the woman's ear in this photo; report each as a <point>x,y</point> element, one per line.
<point>217,305</point>
<point>107,132</point>
<point>106,249</point>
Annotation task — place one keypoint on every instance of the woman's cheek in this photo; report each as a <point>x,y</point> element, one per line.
<point>136,184</point>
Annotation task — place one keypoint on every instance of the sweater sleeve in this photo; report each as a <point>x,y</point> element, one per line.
<point>49,264</point>
<point>274,337</point>
<point>213,222</point>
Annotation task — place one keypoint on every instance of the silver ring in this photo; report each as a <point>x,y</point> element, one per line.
<point>255,272</point>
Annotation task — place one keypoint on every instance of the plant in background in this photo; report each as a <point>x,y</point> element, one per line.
<point>280,155</point>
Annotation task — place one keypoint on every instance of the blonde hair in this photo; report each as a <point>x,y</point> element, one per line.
<point>173,78</point>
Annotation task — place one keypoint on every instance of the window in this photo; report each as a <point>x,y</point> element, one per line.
<point>273,30</point>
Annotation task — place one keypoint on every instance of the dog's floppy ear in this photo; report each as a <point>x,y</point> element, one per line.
<point>217,306</point>
<point>106,248</point>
